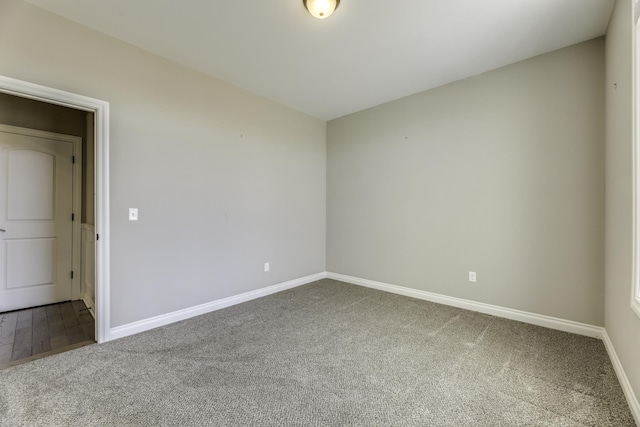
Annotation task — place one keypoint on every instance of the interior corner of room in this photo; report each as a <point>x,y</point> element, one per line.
<point>521,175</point>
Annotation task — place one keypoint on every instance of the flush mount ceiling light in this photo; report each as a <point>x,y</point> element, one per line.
<point>321,8</point>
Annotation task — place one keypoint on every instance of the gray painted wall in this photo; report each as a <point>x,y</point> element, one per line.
<point>622,325</point>
<point>224,180</point>
<point>501,174</point>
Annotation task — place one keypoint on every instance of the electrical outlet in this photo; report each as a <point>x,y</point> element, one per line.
<point>472,276</point>
<point>266,266</point>
<point>133,214</point>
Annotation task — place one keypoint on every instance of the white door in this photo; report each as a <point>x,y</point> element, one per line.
<point>36,228</point>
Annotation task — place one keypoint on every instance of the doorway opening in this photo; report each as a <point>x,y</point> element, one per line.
<point>46,256</point>
<point>96,114</point>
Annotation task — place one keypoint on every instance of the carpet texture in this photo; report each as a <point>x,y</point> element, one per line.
<point>325,354</point>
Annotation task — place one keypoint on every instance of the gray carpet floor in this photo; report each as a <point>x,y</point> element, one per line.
<point>324,354</point>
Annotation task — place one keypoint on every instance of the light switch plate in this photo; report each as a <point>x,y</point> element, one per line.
<point>133,214</point>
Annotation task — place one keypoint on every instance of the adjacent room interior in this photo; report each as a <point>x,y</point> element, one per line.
<point>496,179</point>
<point>38,319</point>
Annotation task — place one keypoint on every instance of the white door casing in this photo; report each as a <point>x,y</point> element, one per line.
<point>39,193</point>
<point>100,109</point>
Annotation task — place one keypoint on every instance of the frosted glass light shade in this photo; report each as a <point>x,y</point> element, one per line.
<point>321,8</point>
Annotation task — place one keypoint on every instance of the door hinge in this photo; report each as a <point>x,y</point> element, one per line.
<point>73,217</point>
<point>97,237</point>
<point>72,274</point>
<point>73,159</point>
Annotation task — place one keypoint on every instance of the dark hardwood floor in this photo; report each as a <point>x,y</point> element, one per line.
<point>41,331</point>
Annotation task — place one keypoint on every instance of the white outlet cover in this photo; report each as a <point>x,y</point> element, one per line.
<point>472,276</point>
<point>266,266</point>
<point>133,214</point>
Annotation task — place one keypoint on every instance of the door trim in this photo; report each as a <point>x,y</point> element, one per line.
<point>101,166</point>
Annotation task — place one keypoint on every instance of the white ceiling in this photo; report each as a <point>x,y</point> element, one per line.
<point>367,53</point>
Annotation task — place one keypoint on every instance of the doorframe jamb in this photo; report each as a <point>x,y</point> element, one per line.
<point>76,290</point>
<point>101,166</point>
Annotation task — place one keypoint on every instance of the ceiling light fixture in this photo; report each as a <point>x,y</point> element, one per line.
<point>321,8</point>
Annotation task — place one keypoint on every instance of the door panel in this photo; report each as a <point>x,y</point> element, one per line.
<point>30,185</point>
<point>30,262</point>
<point>36,203</point>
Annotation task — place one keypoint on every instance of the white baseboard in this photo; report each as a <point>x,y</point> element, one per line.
<point>90,305</point>
<point>507,313</point>
<point>634,405</point>
<point>176,316</point>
